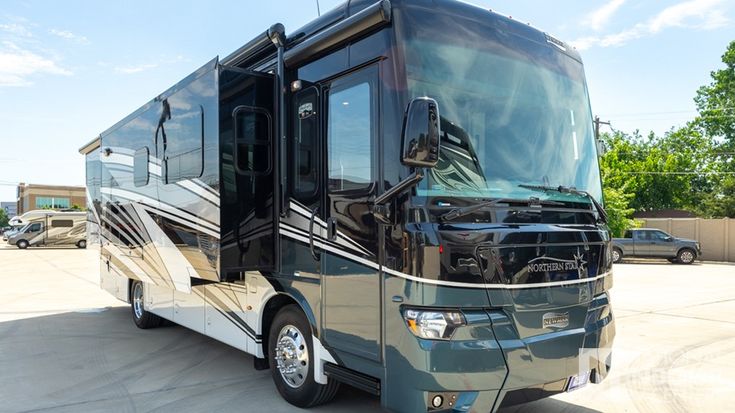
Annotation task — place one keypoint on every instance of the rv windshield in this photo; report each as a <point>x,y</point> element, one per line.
<point>509,116</point>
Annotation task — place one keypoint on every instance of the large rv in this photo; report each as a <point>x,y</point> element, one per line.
<point>403,196</point>
<point>51,229</point>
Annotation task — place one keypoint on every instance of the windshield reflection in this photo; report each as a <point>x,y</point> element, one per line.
<point>505,121</point>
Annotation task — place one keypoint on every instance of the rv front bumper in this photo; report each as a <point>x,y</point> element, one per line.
<point>481,369</point>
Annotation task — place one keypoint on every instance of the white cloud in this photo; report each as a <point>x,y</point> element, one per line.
<point>16,29</point>
<point>129,70</point>
<point>65,34</point>
<point>692,14</point>
<point>706,13</point>
<point>132,69</point>
<point>599,18</point>
<point>17,65</point>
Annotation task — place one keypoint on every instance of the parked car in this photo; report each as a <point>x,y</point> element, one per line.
<point>654,243</point>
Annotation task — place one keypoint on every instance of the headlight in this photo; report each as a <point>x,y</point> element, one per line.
<point>433,324</point>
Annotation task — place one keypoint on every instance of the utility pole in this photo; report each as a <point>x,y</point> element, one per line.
<point>598,122</point>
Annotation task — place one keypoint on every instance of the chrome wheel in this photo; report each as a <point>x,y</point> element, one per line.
<point>615,256</point>
<point>292,356</point>
<point>138,300</point>
<point>686,257</point>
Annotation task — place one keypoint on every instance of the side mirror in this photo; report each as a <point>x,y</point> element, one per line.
<point>420,137</point>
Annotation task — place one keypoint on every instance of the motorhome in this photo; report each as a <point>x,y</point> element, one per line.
<point>51,228</point>
<point>403,196</point>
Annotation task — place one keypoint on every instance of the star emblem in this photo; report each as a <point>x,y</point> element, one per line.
<point>580,261</point>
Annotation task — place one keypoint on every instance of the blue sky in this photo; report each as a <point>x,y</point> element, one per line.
<point>71,69</point>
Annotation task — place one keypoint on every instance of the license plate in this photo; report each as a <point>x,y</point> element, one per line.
<point>578,381</point>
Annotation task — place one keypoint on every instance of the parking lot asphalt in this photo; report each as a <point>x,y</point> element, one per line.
<point>67,346</point>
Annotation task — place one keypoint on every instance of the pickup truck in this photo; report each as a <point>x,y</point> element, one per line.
<point>654,243</point>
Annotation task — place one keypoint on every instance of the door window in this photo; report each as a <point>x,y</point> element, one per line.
<point>658,236</point>
<point>306,146</point>
<point>252,141</point>
<point>35,227</point>
<point>351,132</point>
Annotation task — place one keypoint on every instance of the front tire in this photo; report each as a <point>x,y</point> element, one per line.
<point>142,318</point>
<point>617,255</point>
<point>22,244</point>
<point>82,244</point>
<point>290,353</point>
<point>686,256</point>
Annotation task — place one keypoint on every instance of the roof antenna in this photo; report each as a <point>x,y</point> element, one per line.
<point>318,11</point>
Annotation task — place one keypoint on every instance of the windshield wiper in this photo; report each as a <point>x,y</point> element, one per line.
<point>460,212</point>
<point>571,190</point>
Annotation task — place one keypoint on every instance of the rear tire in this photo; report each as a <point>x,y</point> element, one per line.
<point>686,256</point>
<point>82,244</point>
<point>22,244</point>
<point>142,318</point>
<point>291,352</point>
<point>617,255</point>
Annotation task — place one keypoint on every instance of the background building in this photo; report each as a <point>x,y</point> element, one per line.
<point>10,208</point>
<point>31,196</point>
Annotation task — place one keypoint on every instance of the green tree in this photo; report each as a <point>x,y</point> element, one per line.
<point>716,101</point>
<point>661,172</point>
<point>716,106</point>
<point>619,214</point>
<point>3,218</point>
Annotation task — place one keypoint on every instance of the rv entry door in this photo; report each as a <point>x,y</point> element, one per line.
<point>249,163</point>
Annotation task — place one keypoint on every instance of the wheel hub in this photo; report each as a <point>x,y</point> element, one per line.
<point>292,356</point>
<point>687,256</point>
<point>138,300</point>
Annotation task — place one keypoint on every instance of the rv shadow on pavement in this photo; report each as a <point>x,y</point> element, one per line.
<point>97,360</point>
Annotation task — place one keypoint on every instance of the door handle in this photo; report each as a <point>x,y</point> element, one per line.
<point>314,254</point>
<point>331,229</point>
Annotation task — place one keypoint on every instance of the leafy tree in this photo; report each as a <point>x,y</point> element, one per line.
<point>618,212</point>
<point>3,218</point>
<point>720,203</point>
<point>662,172</point>
<point>716,101</point>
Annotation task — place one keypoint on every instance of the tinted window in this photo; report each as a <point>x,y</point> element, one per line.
<point>350,133</point>
<point>628,234</point>
<point>252,140</point>
<point>35,227</point>
<point>658,235</point>
<point>140,167</point>
<point>182,137</point>
<point>305,144</point>
<point>62,223</point>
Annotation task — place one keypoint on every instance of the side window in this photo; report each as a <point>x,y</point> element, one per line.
<point>351,131</point>
<point>140,167</point>
<point>640,235</point>
<point>35,227</point>
<point>658,236</point>
<point>180,133</point>
<point>62,223</point>
<point>628,234</point>
<point>306,149</point>
<point>252,140</point>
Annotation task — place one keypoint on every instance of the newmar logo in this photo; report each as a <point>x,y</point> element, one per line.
<point>555,320</point>
<point>551,264</point>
